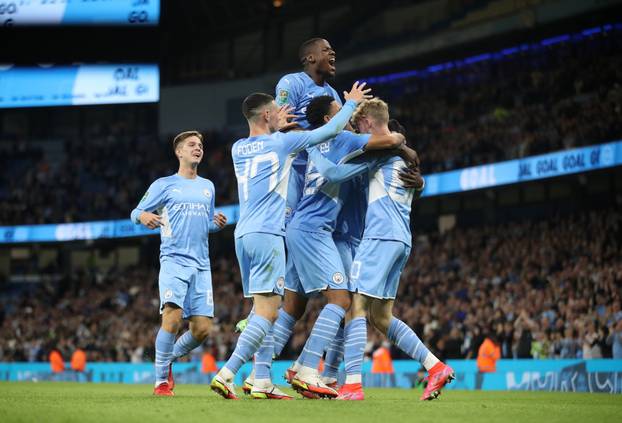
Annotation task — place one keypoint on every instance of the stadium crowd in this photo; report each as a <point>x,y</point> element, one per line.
<point>544,289</point>
<point>528,102</point>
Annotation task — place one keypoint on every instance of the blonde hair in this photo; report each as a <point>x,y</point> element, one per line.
<point>374,109</point>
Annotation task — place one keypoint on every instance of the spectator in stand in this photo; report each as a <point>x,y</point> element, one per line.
<point>487,356</point>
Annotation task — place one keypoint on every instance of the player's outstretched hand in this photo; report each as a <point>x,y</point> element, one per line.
<point>220,220</point>
<point>285,116</point>
<point>358,92</point>
<point>150,220</point>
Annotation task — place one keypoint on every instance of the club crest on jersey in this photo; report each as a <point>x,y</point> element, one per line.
<point>283,96</point>
<point>280,282</point>
<point>207,193</point>
<point>338,278</point>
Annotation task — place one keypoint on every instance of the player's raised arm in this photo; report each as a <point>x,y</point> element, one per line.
<point>151,201</point>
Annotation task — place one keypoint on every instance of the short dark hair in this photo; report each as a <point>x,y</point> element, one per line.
<point>253,103</point>
<point>181,137</point>
<point>395,126</point>
<point>306,47</point>
<point>317,109</point>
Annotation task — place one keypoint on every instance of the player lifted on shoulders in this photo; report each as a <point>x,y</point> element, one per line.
<point>296,90</point>
<point>262,165</point>
<point>184,203</point>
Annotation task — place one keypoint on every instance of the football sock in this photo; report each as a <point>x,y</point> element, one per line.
<point>323,333</point>
<point>334,355</point>
<point>263,357</point>
<point>163,354</point>
<point>282,330</point>
<point>248,343</point>
<point>407,340</point>
<point>355,340</point>
<point>185,343</point>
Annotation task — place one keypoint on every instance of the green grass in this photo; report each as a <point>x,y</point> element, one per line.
<point>75,402</point>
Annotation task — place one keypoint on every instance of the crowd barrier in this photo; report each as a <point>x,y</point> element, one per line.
<point>601,375</point>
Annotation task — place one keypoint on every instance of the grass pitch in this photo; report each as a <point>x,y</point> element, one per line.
<point>76,402</point>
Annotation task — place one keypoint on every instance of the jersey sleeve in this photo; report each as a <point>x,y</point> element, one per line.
<point>287,91</point>
<point>337,173</point>
<point>153,199</point>
<point>299,140</point>
<point>352,144</point>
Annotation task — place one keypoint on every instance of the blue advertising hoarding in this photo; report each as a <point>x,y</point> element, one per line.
<point>79,12</point>
<point>50,85</point>
<point>562,375</point>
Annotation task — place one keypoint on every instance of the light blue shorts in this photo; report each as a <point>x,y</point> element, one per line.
<point>347,252</point>
<point>377,267</point>
<point>186,287</point>
<point>292,280</point>
<point>316,260</point>
<point>262,263</point>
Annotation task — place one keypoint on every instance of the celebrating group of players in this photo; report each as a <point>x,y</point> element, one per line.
<point>323,209</point>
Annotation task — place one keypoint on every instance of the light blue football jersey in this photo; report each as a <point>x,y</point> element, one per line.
<point>262,167</point>
<point>351,219</point>
<point>186,207</point>
<point>297,90</point>
<point>389,204</point>
<point>322,200</point>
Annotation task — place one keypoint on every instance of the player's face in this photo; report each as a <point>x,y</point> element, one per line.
<point>191,150</point>
<point>325,58</point>
<point>332,111</point>
<point>273,116</point>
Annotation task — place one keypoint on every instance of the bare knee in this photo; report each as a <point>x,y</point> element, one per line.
<point>267,306</point>
<point>339,297</point>
<point>201,328</point>
<point>380,315</point>
<point>172,318</point>
<point>294,304</point>
<point>359,306</point>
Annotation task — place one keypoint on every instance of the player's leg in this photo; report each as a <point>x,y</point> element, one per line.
<point>335,352</point>
<point>400,334</point>
<point>355,341</point>
<point>173,287</point>
<point>199,310</point>
<point>369,274</point>
<point>262,264</point>
<point>321,270</point>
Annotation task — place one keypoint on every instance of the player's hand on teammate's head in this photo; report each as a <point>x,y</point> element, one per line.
<point>358,92</point>
<point>150,220</point>
<point>285,117</point>
<point>220,220</point>
<point>412,178</point>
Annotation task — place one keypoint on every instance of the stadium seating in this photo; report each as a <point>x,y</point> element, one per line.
<point>547,288</point>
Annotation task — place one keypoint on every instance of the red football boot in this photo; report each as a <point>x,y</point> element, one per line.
<point>438,376</point>
<point>163,390</point>
<point>351,392</point>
